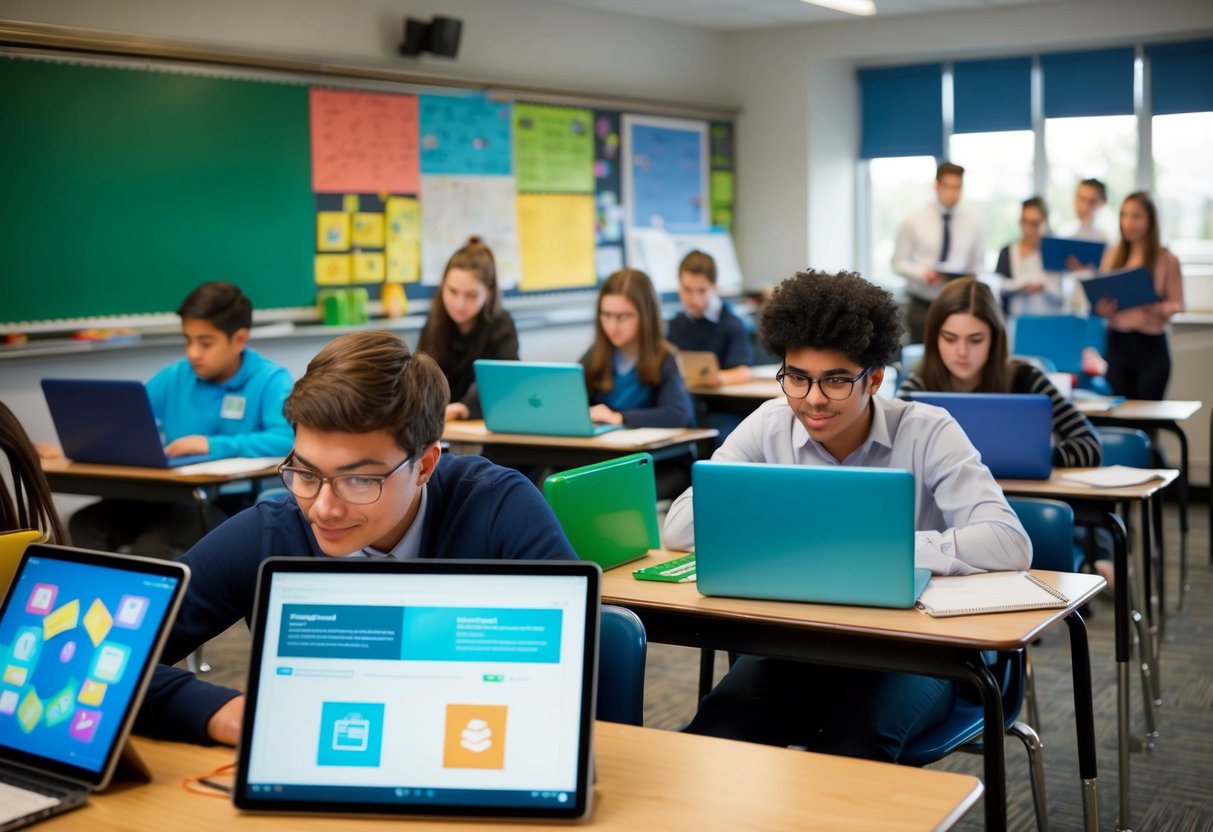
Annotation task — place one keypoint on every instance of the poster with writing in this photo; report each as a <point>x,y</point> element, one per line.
<point>556,240</point>
<point>465,135</point>
<point>666,173</point>
<point>553,149</point>
<point>454,208</point>
<point>363,142</point>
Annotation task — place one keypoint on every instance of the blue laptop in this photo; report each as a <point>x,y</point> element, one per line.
<point>828,535</point>
<point>1013,432</point>
<point>108,422</point>
<point>535,398</point>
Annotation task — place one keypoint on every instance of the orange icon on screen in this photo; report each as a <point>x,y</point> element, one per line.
<point>474,736</point>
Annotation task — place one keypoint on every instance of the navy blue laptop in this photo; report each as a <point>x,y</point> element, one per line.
<point>1013,432</point>
<point>108,422</point>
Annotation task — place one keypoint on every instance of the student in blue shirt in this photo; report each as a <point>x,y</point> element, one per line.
<point>368,480</point>
<point>222,399</point>
<point>707,324</point>
<point>630,371</point>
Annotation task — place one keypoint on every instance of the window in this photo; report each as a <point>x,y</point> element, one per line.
<point>1104,147</point>
<point>998,177</point>
<point>898,187</point>
<point>1183,176</point>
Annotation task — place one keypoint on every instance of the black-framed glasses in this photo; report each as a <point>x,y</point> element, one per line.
<point>358,489</point>
<point>834,388</point>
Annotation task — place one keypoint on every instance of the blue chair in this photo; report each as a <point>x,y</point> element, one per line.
<point>1061,339</point>
<point>622,649</point>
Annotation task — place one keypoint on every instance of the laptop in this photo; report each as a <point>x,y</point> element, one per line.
<point>1013,432</point>
<point>450,688</point>
<point>697,367</point>
<point>535,398</point>
<point>828,535</point>
<point>108,422</point>
<point>81,633</point>
<point>608,510</point>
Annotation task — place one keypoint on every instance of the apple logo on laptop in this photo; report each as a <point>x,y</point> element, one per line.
<point>535,401</point>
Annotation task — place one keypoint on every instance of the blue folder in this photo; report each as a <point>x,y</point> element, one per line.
<point>1054,251</point>
<point>1130,287</point>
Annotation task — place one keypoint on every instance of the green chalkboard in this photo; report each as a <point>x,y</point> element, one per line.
<point>121,189</point>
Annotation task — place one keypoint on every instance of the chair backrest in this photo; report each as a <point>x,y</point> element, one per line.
<point>911,355</point>
<point>1124,446</point>
<point>1059,338</point>
<point>622,649</point>
<point>1050,526</point>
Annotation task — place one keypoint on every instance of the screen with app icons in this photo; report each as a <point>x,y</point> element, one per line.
<point>73,641</point>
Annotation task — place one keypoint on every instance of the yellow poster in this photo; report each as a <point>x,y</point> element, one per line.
<point>556,241</point>
<point>368,230</point>
<point>404,262</point>
<point>332,231</point>
<point>332,269</point>
<point>403,215</point>
<point>368,267</point>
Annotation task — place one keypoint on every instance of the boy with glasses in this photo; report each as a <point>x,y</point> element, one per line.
<point>368,480</point>
<point>835,334</point>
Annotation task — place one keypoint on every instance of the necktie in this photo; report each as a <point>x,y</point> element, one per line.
<point>947,238</point>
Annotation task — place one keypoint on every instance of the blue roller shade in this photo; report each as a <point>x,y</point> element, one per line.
<point>1098,83</point>
<point>1181,77</point>
<point>988,96</point>
<point>902,111</point>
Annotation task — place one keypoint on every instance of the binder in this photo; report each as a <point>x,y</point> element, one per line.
<point>1130,287</point>
<point>988,592</point>
<point>1054,251</point>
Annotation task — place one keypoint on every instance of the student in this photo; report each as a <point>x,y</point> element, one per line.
<point>1090,197</point>
<point>935,242</point>
<point>1139,360</point>
<point>1027,289</point>
<point>630,371</point>
<point>466,322</point>
<point>368,480</point>
<point>966,352</point>
<point>223,399</point>
<point>28,505</point>
<point>835,334</point>
<point>707,324</point>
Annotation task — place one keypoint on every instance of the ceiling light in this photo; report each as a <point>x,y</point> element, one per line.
<point>861,7</point>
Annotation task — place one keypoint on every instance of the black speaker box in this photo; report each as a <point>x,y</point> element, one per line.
<point>440,36</point>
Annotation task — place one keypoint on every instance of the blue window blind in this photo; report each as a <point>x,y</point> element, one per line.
<point>902,111</point>
<point>992,95</point>
<point>1181,77</point>
<point>1098,83</point>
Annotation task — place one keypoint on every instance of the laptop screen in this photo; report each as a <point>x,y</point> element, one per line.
<point>421,687</point>
<point>79,634</point>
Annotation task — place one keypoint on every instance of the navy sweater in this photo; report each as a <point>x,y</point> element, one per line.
<point>728,338</point>
<point>474,509</point>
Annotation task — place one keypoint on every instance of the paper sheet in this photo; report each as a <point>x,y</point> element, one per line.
<point>456,207</point>
<point>556,241</point>
<point>364,142</point>
<point>553,149</point>
<point>229,467</point>
<point>465,135</point>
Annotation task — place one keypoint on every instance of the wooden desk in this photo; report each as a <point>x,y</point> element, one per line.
<point>884,639</point>
<point>157,485</point>
<point>647,779</point>
<point>742,398</point>
<point>518,449</point>
<point>1057,488</point>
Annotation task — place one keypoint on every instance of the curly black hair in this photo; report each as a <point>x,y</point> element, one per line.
<point>841,312</point>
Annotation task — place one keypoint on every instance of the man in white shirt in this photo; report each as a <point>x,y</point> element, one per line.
<point>835,334</point>
<point>935,244</point>
<point>1089,199</point>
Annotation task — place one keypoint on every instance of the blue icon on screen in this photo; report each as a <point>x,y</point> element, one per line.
<point>351,734</point>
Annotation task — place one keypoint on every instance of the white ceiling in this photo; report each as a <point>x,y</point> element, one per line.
<point>757,14</point>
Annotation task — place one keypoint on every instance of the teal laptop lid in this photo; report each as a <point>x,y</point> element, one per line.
<point>830,535</point>
<point>535,398</point>
<point>608,510</point>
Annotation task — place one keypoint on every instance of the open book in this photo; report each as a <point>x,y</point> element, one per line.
<point>988,592</point>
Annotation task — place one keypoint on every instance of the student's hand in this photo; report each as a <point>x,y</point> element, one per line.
<point>1033,288</point>
<point>224,725</point>
<point>710,380</point>
<point>1093,364</point>
<point>457,410</point>
<point>1073,264</point>
<point>932,276</point>
<point>604,415</point>
<point>1106,307</point>
<point>188,445</point>
<point>48,450</point>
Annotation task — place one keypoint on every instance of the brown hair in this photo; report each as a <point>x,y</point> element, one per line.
<point>1152,243</point>
<point>440,329</point>
<point>222,304</point>
<point>29,505</point>
<point>948,169</point>
<point>634,285</point>
<point>966,296</point>
<point>369,381</point>
<point>699,262</point>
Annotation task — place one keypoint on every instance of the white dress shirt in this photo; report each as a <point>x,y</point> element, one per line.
<point>920,242</point>
<point>963,522</point>
<point>1075,230</point>
<point>1053,299</point>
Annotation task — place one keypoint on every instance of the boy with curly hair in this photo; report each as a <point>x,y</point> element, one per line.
<point>835,334</point>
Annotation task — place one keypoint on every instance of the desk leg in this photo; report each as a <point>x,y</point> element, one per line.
<point>707,670</point>
<point>1184,498</point>
<point>993,728</point>
<point>1084,718</point>
<point>1149,647</point>
<point>1120,561</point>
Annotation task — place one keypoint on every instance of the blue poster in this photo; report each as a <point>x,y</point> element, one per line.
<point>465,135</point>
<point>669,189</point>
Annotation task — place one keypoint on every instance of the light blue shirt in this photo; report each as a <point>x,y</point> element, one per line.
<point>963,522</point>
<point>409,547</point>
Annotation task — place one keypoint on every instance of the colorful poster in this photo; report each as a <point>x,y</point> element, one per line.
<point>367,231</point>
<point>332,231</point>
<point>454,208</point>
<point>369,267</point>
<point>608,221</point>
<point>465,135</point>
<point>553,149</point>
<point>363,142</point>
<point>332,269</point>
<point>403,217</point>
<point>556,241</point>
<point>403,262</point>
<point>666,174</point>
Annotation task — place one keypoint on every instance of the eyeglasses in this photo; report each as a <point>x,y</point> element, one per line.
<point>620,317</point>
<point>358,489</point>
<point>835,388</point>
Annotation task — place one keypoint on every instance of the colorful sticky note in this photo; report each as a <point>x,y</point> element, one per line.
<point>364,142</point>
<point>368,230</point>
<point>403,262</point>
<point>332,269</point>
<point>332,231</point>
<point>403,218</point>
<point>556,241</point>
<point>61,620</point>
<point>368,267</point>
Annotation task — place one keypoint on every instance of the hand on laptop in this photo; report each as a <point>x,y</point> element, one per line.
<point>188,445</point>
<point>224,725</point>
<point>48,450</point>
<point>602,414</point>
<point>456,411</point>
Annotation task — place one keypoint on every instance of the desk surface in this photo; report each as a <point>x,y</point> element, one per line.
<point>1140,410</point>
<point>1059,488</point>
<point>87,470</point>
<point>646,779</point>
<point>474,432</point>
<point>1002,631</point>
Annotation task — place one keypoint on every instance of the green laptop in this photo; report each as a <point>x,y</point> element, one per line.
<point>608,509</point>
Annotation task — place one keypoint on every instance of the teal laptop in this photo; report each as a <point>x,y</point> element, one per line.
<point>608,510</point>
<point>827,535</point>
<point>535,398</point>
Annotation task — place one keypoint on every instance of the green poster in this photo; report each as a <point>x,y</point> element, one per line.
<point>553,149</point>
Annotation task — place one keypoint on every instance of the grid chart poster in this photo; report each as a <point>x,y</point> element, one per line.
<point>665,170</point>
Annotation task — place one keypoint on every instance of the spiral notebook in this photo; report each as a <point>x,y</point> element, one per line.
<point>988,592</point>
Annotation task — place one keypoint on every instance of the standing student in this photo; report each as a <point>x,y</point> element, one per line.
<point>835,334</point>
<point>630,371</point>
<point>28,505</point>
<point>1090,197</point>
<point>935,243</point>
<point>707,324</point>
<point>367,479</point>
<point>1027,288</point>
<point>466,323</point>
<point>223,399</point>
<point>965,351</point>
<point>1139,360</point>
